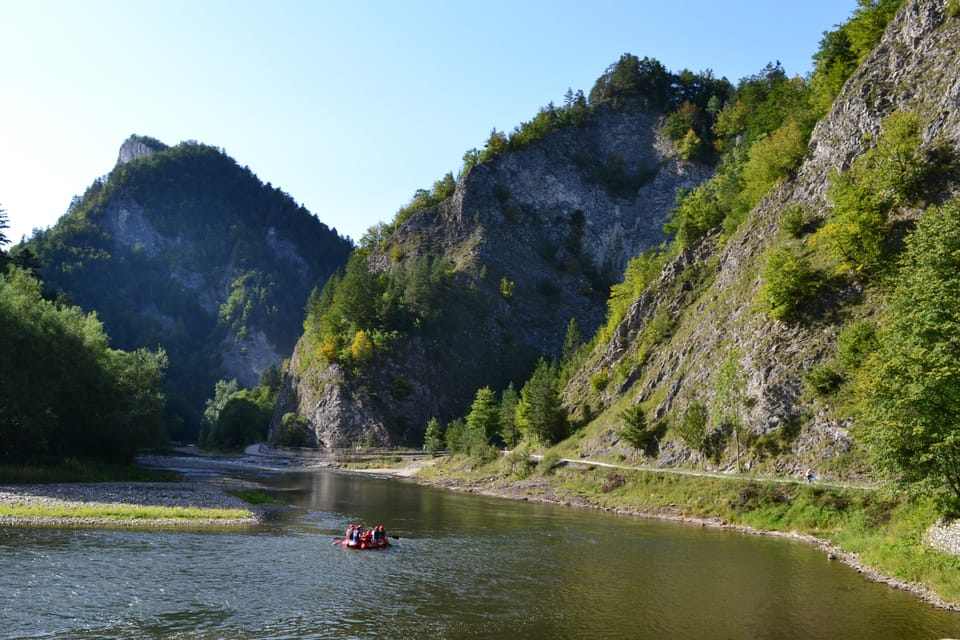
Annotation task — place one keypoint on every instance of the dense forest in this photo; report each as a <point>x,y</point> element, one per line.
<point>185,249</point>
<point>63,390</point>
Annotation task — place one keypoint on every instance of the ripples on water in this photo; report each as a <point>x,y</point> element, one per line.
<point>465,567</point>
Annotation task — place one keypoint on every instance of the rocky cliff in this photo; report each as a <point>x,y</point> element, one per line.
<point>712,289</point>
<point>533,238</point>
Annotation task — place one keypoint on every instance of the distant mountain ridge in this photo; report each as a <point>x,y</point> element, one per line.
<point>180,247</point>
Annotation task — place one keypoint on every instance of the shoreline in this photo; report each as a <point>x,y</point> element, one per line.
<point>192,493</point>
<point>213,492</point>
<point>833,552</point>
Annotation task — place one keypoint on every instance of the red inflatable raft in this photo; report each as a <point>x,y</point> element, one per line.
<point>362,545</point>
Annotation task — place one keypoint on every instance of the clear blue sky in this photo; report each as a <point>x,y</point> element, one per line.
<point>349,106</point>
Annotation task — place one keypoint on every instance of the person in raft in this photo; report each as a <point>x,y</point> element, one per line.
<point>349,534</point>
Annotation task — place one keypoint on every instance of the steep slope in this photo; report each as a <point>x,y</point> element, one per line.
<point>180,247</point>
<point>526,242</point>
<point>712,290</point>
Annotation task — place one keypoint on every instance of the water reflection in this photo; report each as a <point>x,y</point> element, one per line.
<point>464,567</point>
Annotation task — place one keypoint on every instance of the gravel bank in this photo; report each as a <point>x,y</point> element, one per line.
<point>206,493</point>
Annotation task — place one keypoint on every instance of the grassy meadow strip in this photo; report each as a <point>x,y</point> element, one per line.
<point>118,512</point>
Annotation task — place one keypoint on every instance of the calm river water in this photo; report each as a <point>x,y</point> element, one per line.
<point>464,567</point>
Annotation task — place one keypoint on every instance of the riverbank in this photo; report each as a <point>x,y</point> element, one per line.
<point>553,489</point>
<point>201,503</point>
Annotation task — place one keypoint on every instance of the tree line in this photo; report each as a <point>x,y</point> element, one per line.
<point>63,390</point>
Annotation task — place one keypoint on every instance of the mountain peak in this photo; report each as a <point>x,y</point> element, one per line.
<point>137,147</point>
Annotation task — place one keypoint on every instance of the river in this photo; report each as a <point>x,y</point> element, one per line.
<point>464,566</point>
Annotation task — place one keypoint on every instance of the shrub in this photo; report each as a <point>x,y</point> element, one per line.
<point>824,380</point>
<point>599,380</point>
<point>786,281</point>
<point>693,427</point>
<point>293,431</point>
<point>794,221</point>
<point>547,463</point>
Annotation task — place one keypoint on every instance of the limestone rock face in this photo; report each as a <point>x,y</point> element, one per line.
<point>137,147</point>
<point>540,219</point>
<point>914,67</point>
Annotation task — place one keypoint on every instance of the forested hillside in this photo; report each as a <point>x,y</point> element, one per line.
<point>63,391</point>
<point>181,248</point>
<point>798,315</point>
<point>478,278</point>
<point>803,315</point>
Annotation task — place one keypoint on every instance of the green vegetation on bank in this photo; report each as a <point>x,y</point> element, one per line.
<point>63,390</point>
<point>236,417</point>
<point>98,513</point>
<point>884,528</point>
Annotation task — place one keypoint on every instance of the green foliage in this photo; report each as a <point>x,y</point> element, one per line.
<point>198,222</point>
<point>889,175</point>
<point>506,288</point>
<point>237,417</point>
<point>907,390</point>
<point>599,380</point>
<point>4,224</point>
<point>696,212</point>
<point>794,221</point>
<point>540,416</point>
<point>787,280</point>
<point>640,272</point>
<point>484,416</point>
<point>637,433</point>
<point>422,199</point>
<point>548,462</point>
<point>433,437</point>
<point>855,343</point>
<point>63,390</point>
<point>693,426</point>
<point>294,431</point>
<point>953,8</point>
<point>509,433</point>
<point>729,402</point>
<point>363,312</point>
<point>772,158</point>
<point>823,380</point>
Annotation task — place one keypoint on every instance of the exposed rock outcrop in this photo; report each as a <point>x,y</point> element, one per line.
<point>914,68</point>
<point>539,219</point>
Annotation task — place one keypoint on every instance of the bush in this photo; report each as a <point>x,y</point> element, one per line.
<point>548,463</point>
<point>294,431</point>
<point>693,427</point>
<point>825,379</point>
<point>794,222</point>
<point>787,280</point>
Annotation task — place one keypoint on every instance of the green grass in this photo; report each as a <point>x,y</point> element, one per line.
<point>119,512</point>
<point>50,470</point>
